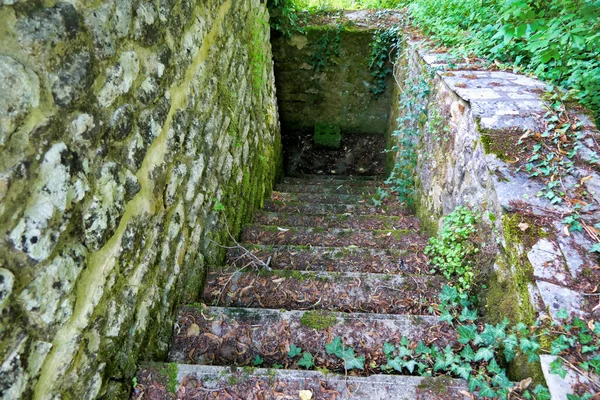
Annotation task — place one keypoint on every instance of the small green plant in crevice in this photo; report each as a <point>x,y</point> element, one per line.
<point>384,49</point>
<point>305,361</point>
<point>412,117</point>
<point>284,17</point>
<point>453,251</point>
<point>328,45</point>
<point>257,361</point>
<point>346,354</point>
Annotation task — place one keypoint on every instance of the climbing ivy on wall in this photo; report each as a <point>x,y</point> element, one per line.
<point>384,50</point>
<point>328,45</point>
<point>413,101</point>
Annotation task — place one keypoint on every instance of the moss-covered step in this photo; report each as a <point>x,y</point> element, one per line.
<point>307,236</point>
<point>332,291</point>
<point>340,259</point>
<point>344,221</point>
<point>334,181</point>
<point>324,208</point>
<point>236,336</point>
<point>339,189</point>
<point>187,382</point>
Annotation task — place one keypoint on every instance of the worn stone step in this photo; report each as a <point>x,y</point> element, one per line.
<point>344,221</point>
<point>339,189</point>
<point>332,291</point>
<point>367,178</point>
<point>335,181</point>
<point>236,336</point>
<point>365,208</point>
<point>325,198</point>
<point>335,237</point>
<point>187,382</point>
<point>340,259</point>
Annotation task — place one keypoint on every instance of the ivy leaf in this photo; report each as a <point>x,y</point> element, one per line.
<point>484,353</point>
<point>585,338</point>
<point>541,393</point>
<point>468,354</point>
<point>404,351</point>
<point>404,341</point>
<point>355,363</point>
<point>466,333</point>
<point>388,349</point>
<point>588,349</point>
<point>396,364</point>
<point>562,314</point>
<point>595,248</point>
<point>556,367</point>
<point>595,363</point>
<point>294,351</point>
<point>559,345</point>
<point>493,367</point>
<point>463,370</point>
<point>335,347</point>
<point>510,343</point>
<point>446,317</point>
<point>449,294</point>
<point>306,361</point>
<point>486,391</point>
<point>500,380</point>
<point>422,349</point>
<point>410,365</point>
<point>257,360</point>
<point>467,315</point>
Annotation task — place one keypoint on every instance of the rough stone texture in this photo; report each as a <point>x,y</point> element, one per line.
<point>538,268</point>
<point>122,125</point>
<point>338,93</point>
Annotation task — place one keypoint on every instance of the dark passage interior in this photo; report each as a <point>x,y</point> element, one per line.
<point>334,112</point>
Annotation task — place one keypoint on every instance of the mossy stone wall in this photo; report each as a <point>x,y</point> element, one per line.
<point>323,77</point>
<point>122,124</point>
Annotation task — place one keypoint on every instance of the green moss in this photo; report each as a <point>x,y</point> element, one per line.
<point>170,371</point>
<point>437,385</point>
<point>318,320</point>
<point>328,136</point>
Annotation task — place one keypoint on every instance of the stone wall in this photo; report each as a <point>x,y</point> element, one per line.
<point>316,86</point>
<point>466,154</point>
<point>130,131</point>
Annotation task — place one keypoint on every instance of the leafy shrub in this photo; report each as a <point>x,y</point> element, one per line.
<point>453,250</point>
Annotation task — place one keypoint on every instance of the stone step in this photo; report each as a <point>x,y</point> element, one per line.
<point>365,208</point>
<point>335,181</point>
<point>187,382</point>
<point>236,336</point>
<point>340,259</point>
<point>325,198</point>
<point>326,177</point>
<point>402,239</point>
<point>344,221</point>
<point>332,291</point>
<point>326,189</point>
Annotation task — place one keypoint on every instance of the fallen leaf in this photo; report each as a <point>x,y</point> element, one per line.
<point>193,331</point>
<point>305,394</point>
<point>585,178</point>
<point>465,393</point>
<point>591,324</point>
<point>597,307</point>
<point>282,229</point>
<point>523,226</point>
<point>566,229</point>
<point>524,384</point>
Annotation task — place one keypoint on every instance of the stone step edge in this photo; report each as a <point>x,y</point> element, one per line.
<point>270,314</point>
<point>307,247</point>
<point>376,387</point>
<point>338,215</point>
<point>340,177</point>
<point>300,228</point>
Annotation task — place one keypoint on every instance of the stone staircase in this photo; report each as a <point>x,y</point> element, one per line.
<point>318,262</point>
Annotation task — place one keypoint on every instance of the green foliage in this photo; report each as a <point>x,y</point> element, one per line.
<point>351,361</point>
<point>327,5</point>
<point>328,45</point>
<point>284,17</point>
<point>413,114</point>
<point>294,351</point>
<point>453,251</point>
<point>218,206</point>
<point>384,50</point>
<point>306,361</point>
<point>558,40</point>
<point>257,360</point>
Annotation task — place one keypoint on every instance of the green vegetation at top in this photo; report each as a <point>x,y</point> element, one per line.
<point>556,40</point>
